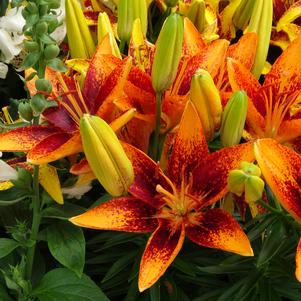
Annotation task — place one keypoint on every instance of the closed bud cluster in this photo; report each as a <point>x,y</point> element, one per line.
<point>105,155</point>
<point>234,117</point>
<point>206,99</point>
<point>246,180</point>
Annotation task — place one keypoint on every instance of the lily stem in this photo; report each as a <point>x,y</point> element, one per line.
<point>36,220</point>
<point>268,207</point>
<point>158,126</point>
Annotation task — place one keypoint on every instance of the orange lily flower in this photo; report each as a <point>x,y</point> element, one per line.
<point>274,107</point>
<point>178,204</point>
<point>45,143</point>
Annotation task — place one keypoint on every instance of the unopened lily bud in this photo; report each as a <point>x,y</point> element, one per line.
<point>253,189</point>
<point>196,14</point>
<point>243,13</point>
<point>234,118</point>
<point>128,11</point>
<point>105,155</point>
<point>206,99</point>
<point>261,23</point>
<point>168,53</point>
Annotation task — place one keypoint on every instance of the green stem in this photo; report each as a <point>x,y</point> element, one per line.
<point>122,46</point>
<point>36,220</point>
<point>268,207</point>
<point>158,126</point>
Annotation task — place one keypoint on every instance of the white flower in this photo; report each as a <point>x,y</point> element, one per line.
<point>76,191</point>
<point>3,71</point>
<point>60,33</point>
<point>11,37</point>
<point>7,173</point>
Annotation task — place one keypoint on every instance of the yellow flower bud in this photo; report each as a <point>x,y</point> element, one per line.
<point>206,99</point>
<point>250,168</point>
<point>236,181</point>
<point>253,189</point>
<point>168,53</point>
<point>234,118</point>
<point>196,14</point>
<point>128,11</point>
<point>105,155</point>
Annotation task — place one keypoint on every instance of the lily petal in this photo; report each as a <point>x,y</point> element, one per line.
<point>161,249</point>
<point>124,214</point>
<point>280,167</point>
<point>217,229</point>
<point>55,147</point>
<point>298,262</point>
<point>285,73</point>
<point>289,130</point>
<point>148,175</point>
<point>25,138</point>
<point>190,147</point>
<point>210,179</point>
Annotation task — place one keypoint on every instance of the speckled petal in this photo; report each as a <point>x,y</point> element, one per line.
<point>161,250</point>
<point>190,147</point>
<point>298,262</point>
<point>280,167</point>
<point>123,214</point>
<point>217,229</point>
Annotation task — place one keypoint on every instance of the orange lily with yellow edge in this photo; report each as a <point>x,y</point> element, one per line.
<point>274,107</point>
<point>60,137</point>
<point>178,204</point>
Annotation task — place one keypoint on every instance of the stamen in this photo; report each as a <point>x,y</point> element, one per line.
<point>80,95</point>
<point>169,198</point>
<point>123,119</point>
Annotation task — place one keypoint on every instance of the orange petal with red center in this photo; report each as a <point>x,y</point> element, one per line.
<point>100,68</point>
<point>112,89</point>
<point>285,72</point>
<point>25,138</point>
<point>55,147</point>
<point>80,168</point>
<point>298,262</point>
<point>161,250</point>
<point>241,78</point>
<point>210,178</point>
<point>289,130</point>
<point>210,59</point>
<point>280,167</point>
<point>217,229</point>
<point>148,175</point>
<point>123,214</point>
<point>190,147</point>
<point>244,50</point>
<point>193,42</point>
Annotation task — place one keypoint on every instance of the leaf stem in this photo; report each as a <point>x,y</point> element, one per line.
<point>36,220</point>
<point>158,126</point>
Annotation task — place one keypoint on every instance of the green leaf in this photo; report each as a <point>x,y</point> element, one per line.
<point>63,212</point>
<point>12,196</point>
<point>7,246</point>
<point>64,285</point>
<point>57,65</point>
<point>4,295</point>
<point>154,292</point>
<point>67,245</point>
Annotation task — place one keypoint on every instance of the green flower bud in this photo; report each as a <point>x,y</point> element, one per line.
<point>43,85</point>
<point>32,8</point>
<point>51,51</point>
<point>253,189</point>
<point>168,53</point>
<point>196,14</point>
<point>43,10</point>
<point>128,11</point>
<point>31,46</point>
<point>250,168</point>
<point>236,181</point>
<point>54,4</point>
<point>105,155</point>
<point>41,28</point>
<point>206,99</point>
<point>25,111</point>
<point>234,118</point>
